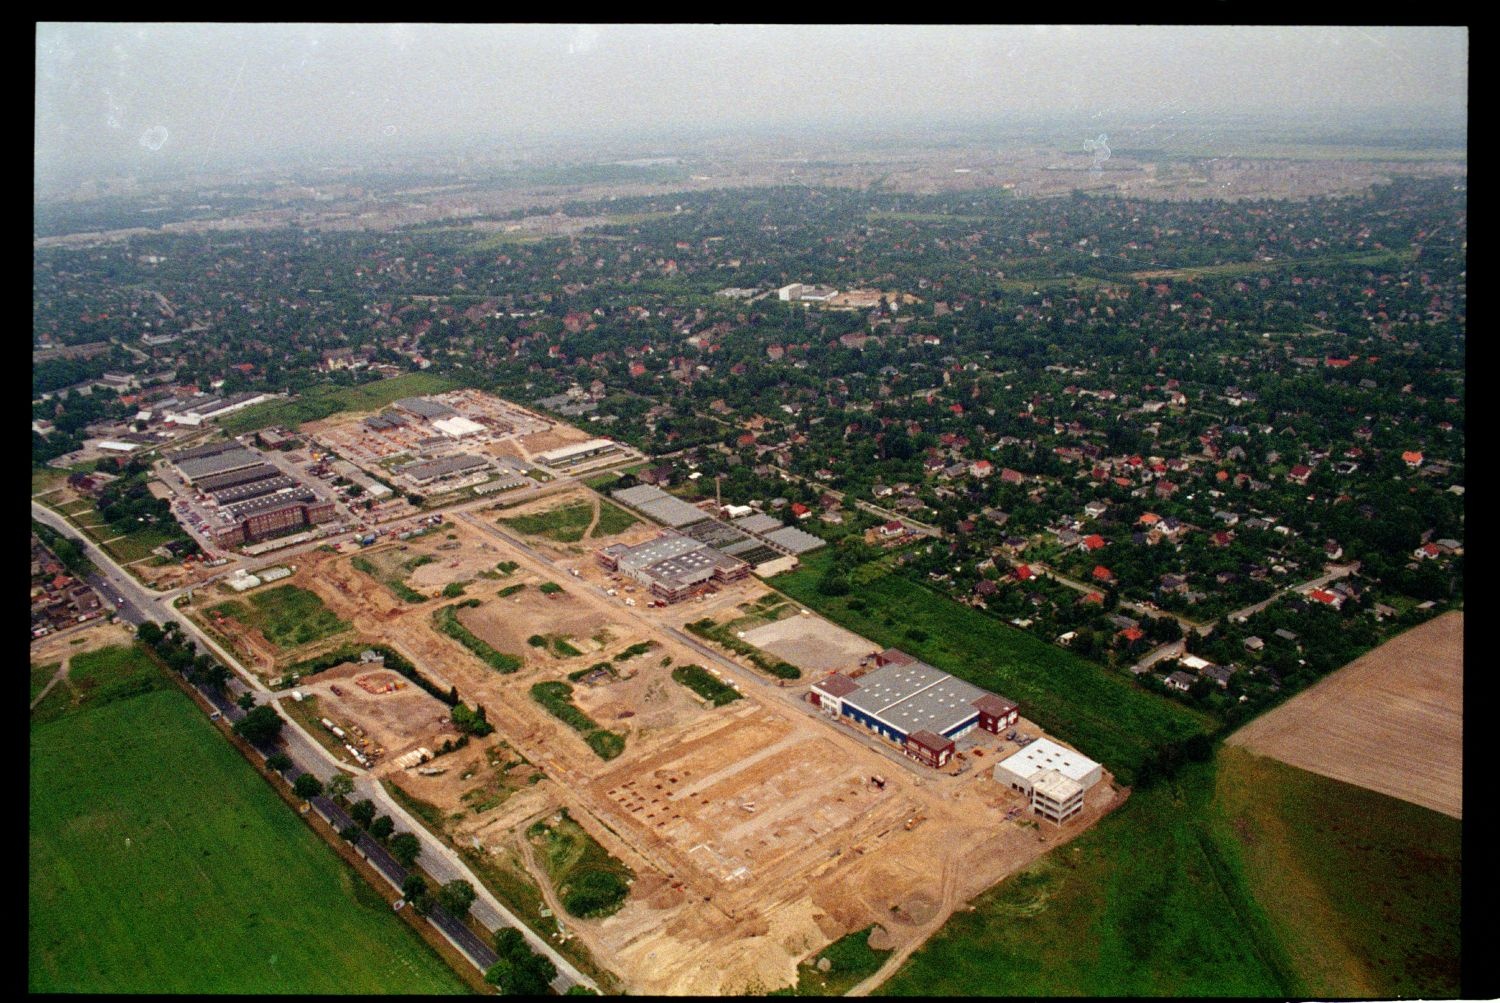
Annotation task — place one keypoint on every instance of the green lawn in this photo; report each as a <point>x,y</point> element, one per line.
<point>288,616</point>
<point>1105,715</point>
<point>320,402</point>
<point>1363,889</point>
<point>705,684</point>
<point>44,479</point>
<point>1242,876</point>
<point>1150,902</point>
<point>220,888</point>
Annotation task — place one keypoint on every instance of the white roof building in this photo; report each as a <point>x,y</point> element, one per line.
<point>457,427</point>
<point>1023,769</point>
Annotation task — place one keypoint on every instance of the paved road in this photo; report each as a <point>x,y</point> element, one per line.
<point>1333,573</point>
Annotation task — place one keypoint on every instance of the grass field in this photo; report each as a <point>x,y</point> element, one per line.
<point>269,907</point>
<point>1106,716</point>
<point>1150,902</point>
<point>287,615</point>
<point>44,479</point>
<point>565,524</point>
<point>139,544</point>
<point>590,882</point>
<point>613,519</point>
<point>1362,888</point>
<point>320,402</point>
<point>41,675</point>
<point>851,960</point>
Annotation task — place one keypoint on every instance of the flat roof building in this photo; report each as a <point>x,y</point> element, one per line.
<point>906,697</point>
<point>457,427</point>
<point>1054,777</point>
<point>424,408</point>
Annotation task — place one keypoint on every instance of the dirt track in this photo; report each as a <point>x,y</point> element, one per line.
<point>1390,721</point>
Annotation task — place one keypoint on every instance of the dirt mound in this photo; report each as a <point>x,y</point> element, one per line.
<point>881,939</point>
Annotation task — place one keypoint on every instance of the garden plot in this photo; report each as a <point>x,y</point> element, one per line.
<point>811,643</point>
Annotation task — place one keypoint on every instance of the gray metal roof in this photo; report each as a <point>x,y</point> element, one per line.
<point>759,523</point>
<point>660,506</point>
<point>659,549</point>
<point>794,539</point>
<point>204,466</point>
<point>425,470</point>
<point>426,408</point>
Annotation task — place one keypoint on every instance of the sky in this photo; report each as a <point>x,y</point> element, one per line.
<point>120,96</point>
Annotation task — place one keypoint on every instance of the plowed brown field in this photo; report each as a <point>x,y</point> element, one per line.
<point>1389,721</point>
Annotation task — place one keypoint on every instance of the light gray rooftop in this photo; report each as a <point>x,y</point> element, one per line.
<point>794,539</point>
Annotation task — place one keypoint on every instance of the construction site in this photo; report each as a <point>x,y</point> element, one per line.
<point>756,832</point>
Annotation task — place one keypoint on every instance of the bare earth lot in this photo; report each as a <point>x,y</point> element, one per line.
<point>1390,721</point>
<point>754,830</point>
<point>811,643</point>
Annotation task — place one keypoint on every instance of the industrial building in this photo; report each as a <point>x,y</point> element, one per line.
<point>254,520</point>
<point>209,461</point>
<point>567,456</point>
<point>920,708</point>
<point>1053,777</point>
<point>426,471</point>
<point>673,566</point>
<point>762,541</point>
<point>424,408</point>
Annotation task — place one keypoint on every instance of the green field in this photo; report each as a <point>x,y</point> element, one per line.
<point>613,519</point>
<point>557,697</point>
<point>320,402</point>
<point>41,675</point>
<point>565,524</point>
<point>1242,876</point>
<point>1106,716</point>
<point>269,907</point>
<point>1149,902</point>
<point>590,882</point>
<point>287,615</point>
<point>139,544</point>
<point>1363,889</point>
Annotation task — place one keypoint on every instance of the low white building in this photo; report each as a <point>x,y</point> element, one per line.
<point>1053,777</point>
<point>457,427</point>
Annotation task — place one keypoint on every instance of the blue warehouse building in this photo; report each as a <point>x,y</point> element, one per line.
<point>906,699</point>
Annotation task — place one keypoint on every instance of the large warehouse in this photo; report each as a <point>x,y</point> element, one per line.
<point>918,707</point>
<point>673,566</point>
<point>1053,777</point>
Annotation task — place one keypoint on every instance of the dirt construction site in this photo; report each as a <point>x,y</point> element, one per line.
<point>758,832</point>
<point>1390,721</point>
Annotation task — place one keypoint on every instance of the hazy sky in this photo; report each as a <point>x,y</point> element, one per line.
<point>109,95</point>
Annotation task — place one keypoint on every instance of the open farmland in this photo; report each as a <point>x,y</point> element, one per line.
<point>1390,721</point>
<point>120,842</point>
<point>1105,715</point>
